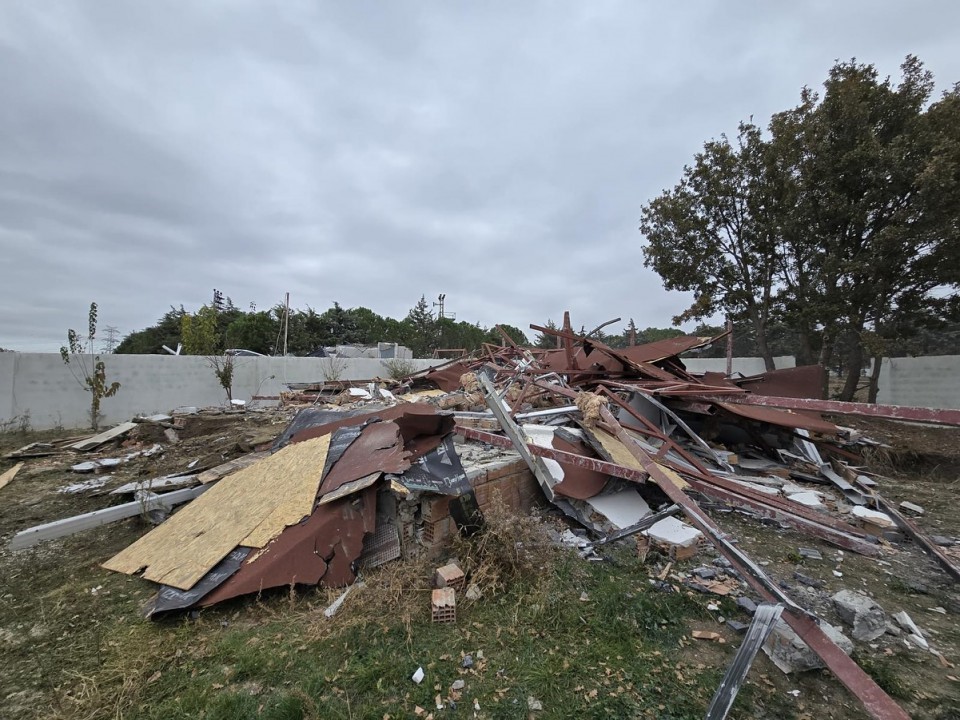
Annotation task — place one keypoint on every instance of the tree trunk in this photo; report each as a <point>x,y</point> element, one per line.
<point>804,348</point>
<point>854,366</point>
<point>875,379</point>
<point>760,328</point>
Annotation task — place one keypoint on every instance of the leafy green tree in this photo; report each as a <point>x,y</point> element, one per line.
<point>842,227</point>
<point>151,340</point>
<point>257,331</point>
<point>544,340</point>
<point>710,235</point>
<point>199,332</point>
<point>87,368</point>
<point>423,335</point>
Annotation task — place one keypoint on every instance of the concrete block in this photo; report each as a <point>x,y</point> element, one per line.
<point>791,654</point>
<point>865,617</point>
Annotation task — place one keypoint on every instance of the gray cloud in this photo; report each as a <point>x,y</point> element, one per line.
<point>372,152</point>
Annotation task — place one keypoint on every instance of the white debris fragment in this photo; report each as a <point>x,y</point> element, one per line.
<point>418,676</point>
<point>873,516</point>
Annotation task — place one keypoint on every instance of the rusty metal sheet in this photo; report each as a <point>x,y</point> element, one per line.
<point>319,550</point>
<point>578,482</point>
<point>391,413</point>
<point>378,448</point>
<point>782,418</point>
<point>890,412</point>
<point>663,349</point>
<point>806,381</point>
<point>446,377</point>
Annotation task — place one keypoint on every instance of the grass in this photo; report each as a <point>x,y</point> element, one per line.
<point>586,640</point>
<point>619,653</point>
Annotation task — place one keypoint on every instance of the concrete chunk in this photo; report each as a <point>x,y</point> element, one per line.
<point>863,614</point>
<point>791,654</point>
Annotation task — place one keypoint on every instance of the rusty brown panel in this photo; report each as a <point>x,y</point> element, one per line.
<point>446,377</point>
<point>319,550</point>
<point>806,381</point>
<point>378,448</point>
<point>891,412</point>
<point>423,432</point>
<point>391,413</point>
<point>662,349</point>
<point>578,482</point>
<point>782,418</point>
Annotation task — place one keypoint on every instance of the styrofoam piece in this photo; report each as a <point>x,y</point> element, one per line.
<point>542,436</point>
<point>807,498</point>
<point>671,531</point>
<point>874,516</point>
<point>622,509</point>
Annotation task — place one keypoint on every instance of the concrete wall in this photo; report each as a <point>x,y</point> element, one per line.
<point>39,384</point>
<point>745,365</point>
<point>932,381</point>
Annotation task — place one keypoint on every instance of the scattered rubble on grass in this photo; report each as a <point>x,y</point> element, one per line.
<point>614,441</point>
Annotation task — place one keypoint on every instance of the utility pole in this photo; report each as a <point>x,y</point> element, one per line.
<point>286,321</point>
<point>729,347</point>
<point>442,304</point>
<point>111,340</point>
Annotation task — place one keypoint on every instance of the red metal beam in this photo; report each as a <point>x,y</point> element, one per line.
<point>919,537</point>
<point>890,412</point>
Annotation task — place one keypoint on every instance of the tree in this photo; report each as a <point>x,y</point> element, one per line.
<point>90,372</point>
<point>255,331</point>
<point>152,339</point>
<point>545,340</point>
<point>200,337</point>
<point>710,235</point>
<point>423,329</point>
<point>842,227</point>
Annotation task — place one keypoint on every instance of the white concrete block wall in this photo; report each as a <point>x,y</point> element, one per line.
<point>743,365</point>
<point>39,384</point>
<point>932,381</point>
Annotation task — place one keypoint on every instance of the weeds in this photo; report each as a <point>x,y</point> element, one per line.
<point>399,368</point>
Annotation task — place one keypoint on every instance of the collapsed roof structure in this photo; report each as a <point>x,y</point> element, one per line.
<point>618,440</point>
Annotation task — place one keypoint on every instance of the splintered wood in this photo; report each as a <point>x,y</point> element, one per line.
<point>10,474</point>
<point>250,508</point>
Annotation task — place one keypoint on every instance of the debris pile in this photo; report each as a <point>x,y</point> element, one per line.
<point>618,441</point>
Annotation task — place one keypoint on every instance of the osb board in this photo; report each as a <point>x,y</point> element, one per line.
<point>10,474</point>
<point>250,507</point>
<point>420,396</point>
<point>622,456</point>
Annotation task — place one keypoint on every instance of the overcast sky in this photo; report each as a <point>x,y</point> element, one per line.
<point>371,152</point>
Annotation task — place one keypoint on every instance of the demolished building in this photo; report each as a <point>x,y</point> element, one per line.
<point>609,437</point>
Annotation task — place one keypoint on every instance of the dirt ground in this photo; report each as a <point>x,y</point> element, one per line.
<point>60,613</point>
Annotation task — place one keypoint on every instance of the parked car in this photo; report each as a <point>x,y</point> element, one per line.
<point>237,352</point>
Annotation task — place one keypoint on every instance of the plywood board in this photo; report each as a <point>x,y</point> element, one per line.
<point>621,455</point>
<point>10,474</point>
<point>250,507</point>
<point>107,435</point>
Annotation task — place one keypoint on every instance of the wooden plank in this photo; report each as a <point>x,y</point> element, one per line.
<point>106,436</point>
<point>250,507</point>
<point>87,521</point>
<point>220,471</point>
<point>10,474</point>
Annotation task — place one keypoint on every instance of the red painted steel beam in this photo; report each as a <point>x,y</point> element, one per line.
<point>890,412</point>
<point>876,702</point>
<point>829,534</point>
<point>919,537</point>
